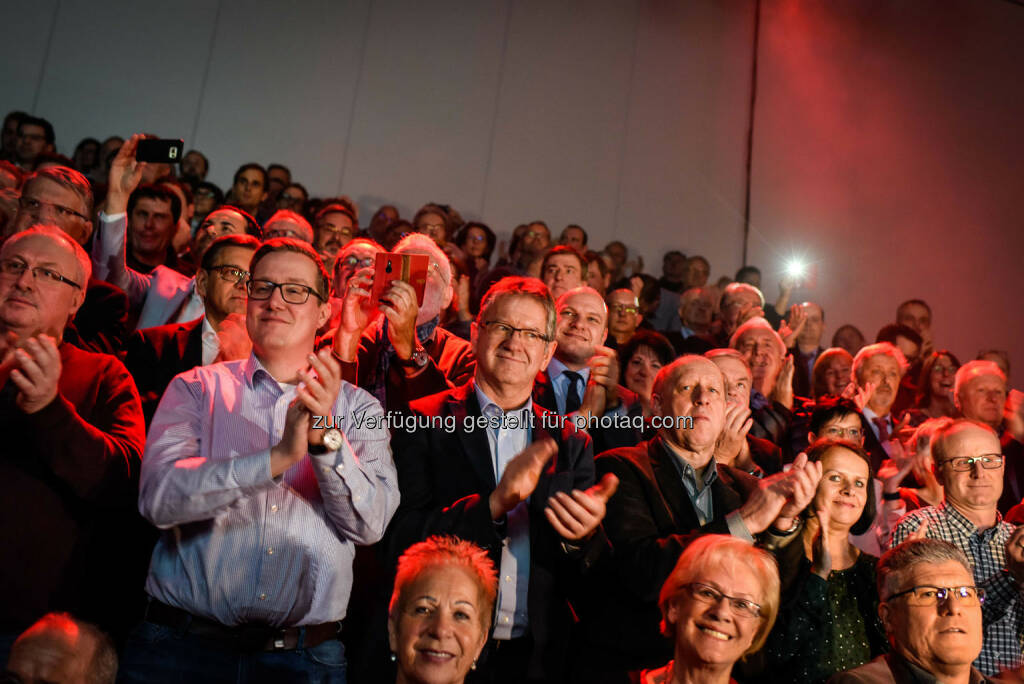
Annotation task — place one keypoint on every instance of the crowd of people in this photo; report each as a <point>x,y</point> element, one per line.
<point>238,451</point>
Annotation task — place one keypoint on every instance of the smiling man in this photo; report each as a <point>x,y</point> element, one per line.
<point>239,473</point>
<point>969,465</point>
<point>73,436</point>
<point>511,479</point>
<point>932,613</point>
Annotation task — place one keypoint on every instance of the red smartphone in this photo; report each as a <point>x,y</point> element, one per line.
<point>412,268</point>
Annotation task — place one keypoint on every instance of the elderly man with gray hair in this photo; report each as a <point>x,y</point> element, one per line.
<point>969,466</point>
<point>771,398</point>
<point>980,393</point>
<point>395,347</point>
<point>877,371</point>
<point>931,610</point>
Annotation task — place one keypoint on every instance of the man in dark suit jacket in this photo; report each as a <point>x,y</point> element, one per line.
<point>403,354</point>
<point>494,468</point>
<point>671,491</point>
<point>155,355</point>
<point>582,378</point>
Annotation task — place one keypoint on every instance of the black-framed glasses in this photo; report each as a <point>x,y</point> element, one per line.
<point>740,607</point>
<point>15,267</point>
<point>506,331</point>
<point>293,293</point>
<point>230,274</point>
<point>33,207</point>
<point>929,595</point>
<point>965,463</point>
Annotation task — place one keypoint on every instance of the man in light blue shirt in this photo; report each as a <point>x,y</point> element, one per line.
<point>263,474</point>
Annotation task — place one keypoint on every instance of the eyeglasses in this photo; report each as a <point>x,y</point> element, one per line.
<point>15,267</point>
<point>352,261</point>
<point>476,238</point>
<point>230,274</point>
<point>506,331</point>
<point>927,595</point>
<point>624,309</point>
<point>33,207</point>
<point>740,607</point>
<point>963,463</point>
<point>293,293</point>
<point>347,232</point>
<point>836,432</point>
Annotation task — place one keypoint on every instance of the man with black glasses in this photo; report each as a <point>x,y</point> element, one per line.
<point>255,561</point>
<point>969,464</point>
<point>512,478</point>
<point>155,355</point>
<point>932,613</point>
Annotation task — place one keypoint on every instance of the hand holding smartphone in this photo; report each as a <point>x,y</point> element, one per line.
<point>389,266</point>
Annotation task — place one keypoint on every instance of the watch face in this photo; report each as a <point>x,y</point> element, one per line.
<point>333,439</point>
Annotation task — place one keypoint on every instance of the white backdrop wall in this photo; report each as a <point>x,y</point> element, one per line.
<point>887,144</point>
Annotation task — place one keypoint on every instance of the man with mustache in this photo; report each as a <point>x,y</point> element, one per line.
<point>969,466</point>
<point>877,371</point>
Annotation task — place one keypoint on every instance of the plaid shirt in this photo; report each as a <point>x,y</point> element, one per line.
<point>1003,610</point>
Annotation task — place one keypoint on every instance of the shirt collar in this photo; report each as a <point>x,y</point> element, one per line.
<point>871,416</point>
<point>688,471</point>
<point>208,332</point>
<point>961,521</point>
<point>556,368</point>
<point>485,402</point>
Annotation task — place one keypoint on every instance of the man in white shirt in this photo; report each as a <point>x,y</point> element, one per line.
<point>163,296</point>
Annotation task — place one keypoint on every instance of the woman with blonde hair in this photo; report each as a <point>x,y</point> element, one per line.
<point>717,606</point>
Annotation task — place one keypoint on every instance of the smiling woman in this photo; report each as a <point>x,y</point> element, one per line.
<point>717,606</point>
<point>829,618</point>
<point>440,610</point>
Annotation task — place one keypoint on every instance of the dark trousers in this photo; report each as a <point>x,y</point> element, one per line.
<point>155,654</point>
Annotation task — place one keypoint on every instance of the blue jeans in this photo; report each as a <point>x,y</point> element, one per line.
<point>155,653</point>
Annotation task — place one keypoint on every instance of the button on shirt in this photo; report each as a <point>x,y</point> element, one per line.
<point>1003,609</point>
<point>506,441</point>
<point>238,545</point>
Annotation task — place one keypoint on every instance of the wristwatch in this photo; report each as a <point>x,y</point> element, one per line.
<point>419,358</point>
<point>332,442</point>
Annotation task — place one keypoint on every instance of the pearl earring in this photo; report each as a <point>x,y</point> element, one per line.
<point>393,657</point>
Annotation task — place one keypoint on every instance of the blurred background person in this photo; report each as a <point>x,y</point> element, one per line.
<point>934,398</point>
